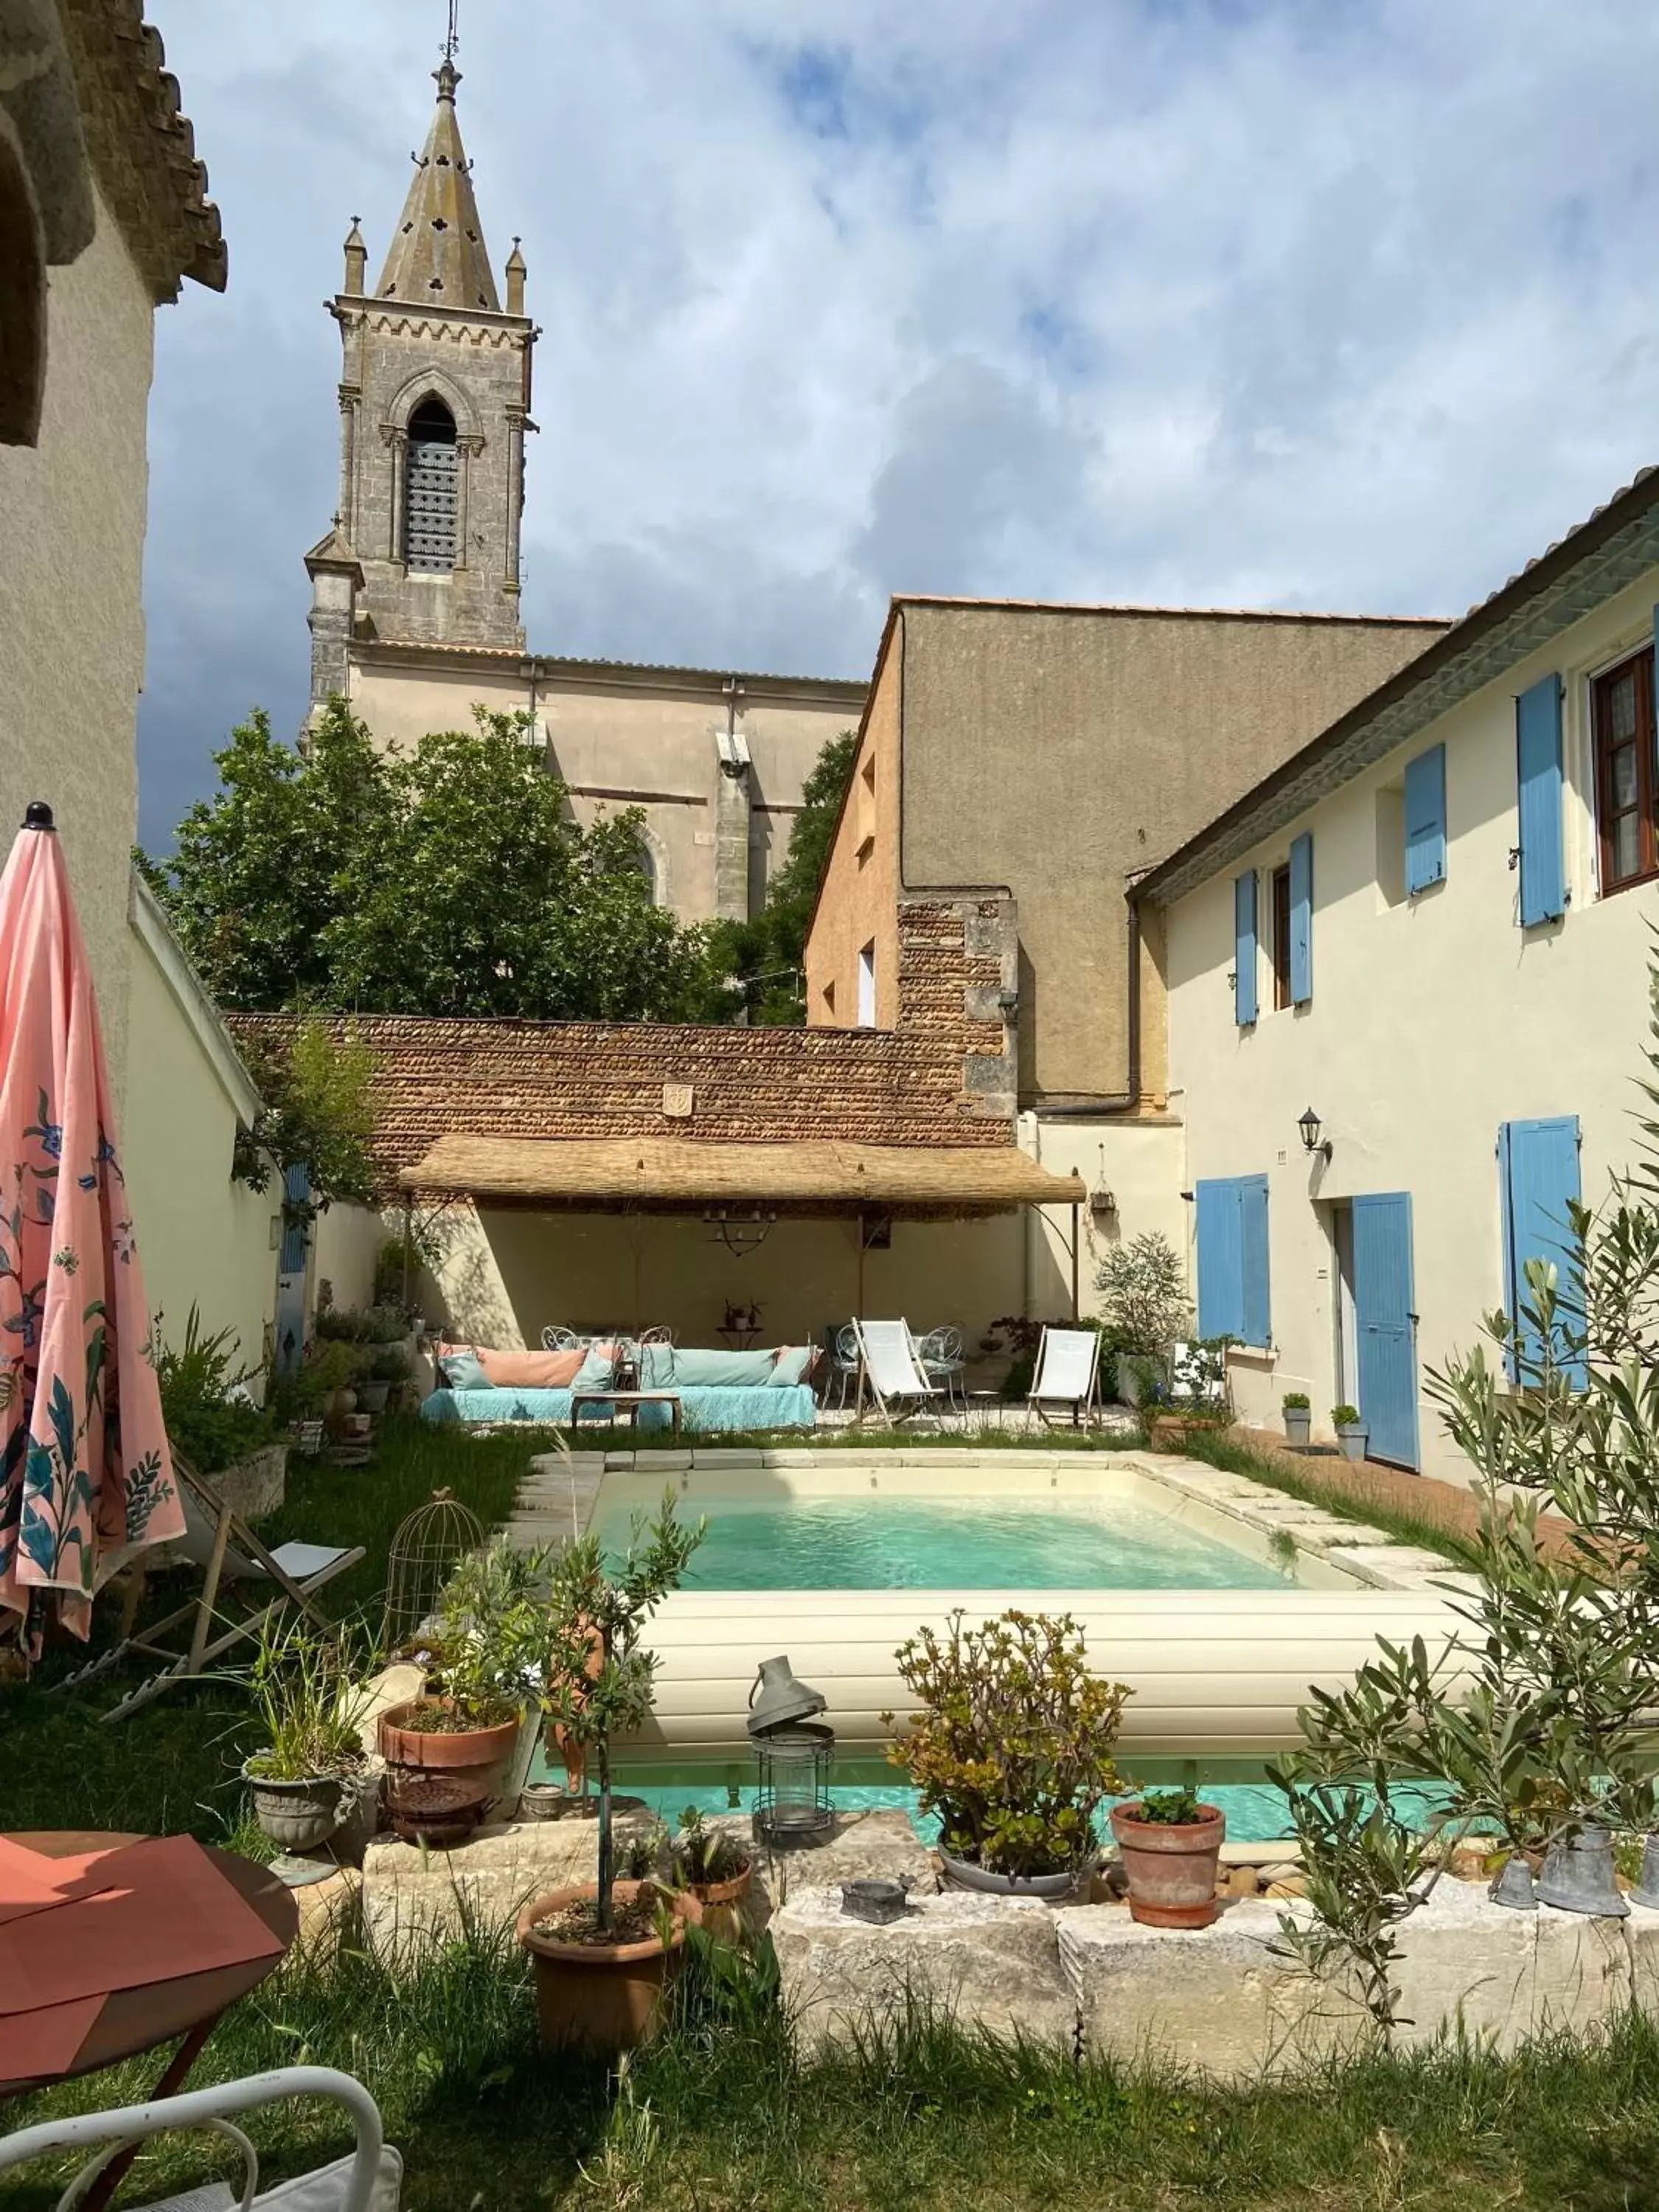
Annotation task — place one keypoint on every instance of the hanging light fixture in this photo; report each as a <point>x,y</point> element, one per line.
<point>1308,1125</point>
<point>741,1231</point>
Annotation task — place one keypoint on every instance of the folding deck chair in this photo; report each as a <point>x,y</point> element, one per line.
<point>1067,1377</point>
<point>298,1570</point>
<point>890,1367</point>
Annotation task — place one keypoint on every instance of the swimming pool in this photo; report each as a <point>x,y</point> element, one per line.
<point>1041,1541</point>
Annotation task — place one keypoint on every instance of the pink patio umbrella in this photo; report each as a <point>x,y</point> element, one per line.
<point>85,1474</point>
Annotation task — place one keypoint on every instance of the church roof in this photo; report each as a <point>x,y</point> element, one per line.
<point>438,255</point>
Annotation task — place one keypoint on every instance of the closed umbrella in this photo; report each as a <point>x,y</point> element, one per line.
<point>85,1474</point>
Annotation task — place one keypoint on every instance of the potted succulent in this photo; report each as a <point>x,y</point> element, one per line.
<point>1353,1430</point>
<point>602,1950</point>
<point>1011,1747</point>
<point>446,1751</point>
<point>305,1776</point>
<point>1298,1416</point>
<point>711,1871</point>
<point>1171,1846</point>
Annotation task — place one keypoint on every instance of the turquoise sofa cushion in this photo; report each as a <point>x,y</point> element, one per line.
<point>464,1370</point>
<point>791,1365</point>
<point>720,1370</point>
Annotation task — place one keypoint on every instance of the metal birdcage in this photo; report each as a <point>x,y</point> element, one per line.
<point>431,1543</point>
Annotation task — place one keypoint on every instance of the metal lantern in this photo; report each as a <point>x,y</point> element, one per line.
<point>428,1548</point>
<point>792,1804</point>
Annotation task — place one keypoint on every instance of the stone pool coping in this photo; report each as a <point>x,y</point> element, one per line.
<point>558,1498</point>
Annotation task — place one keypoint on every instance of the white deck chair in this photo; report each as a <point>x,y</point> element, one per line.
<point>294,1571</point>
<point>891,1370</point>
<point>369,2180</point>
<point>1067,1377</point>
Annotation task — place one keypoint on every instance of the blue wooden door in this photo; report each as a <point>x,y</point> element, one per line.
<point>1385,1327</point>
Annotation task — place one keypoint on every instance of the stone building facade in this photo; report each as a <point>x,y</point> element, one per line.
<point>415,614</point>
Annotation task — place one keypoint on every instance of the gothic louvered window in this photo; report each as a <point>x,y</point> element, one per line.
<point>431,489</point>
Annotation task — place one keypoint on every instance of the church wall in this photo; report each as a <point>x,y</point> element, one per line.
<point>72,617</point>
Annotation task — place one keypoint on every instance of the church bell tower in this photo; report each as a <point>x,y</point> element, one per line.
<point>435,403</point>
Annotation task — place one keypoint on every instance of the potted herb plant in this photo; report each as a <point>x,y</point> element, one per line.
<point>602,1950</point>
<point>1171,1846</point>
<point>1353,1430</point>
<point>1011,1747</point>
<point>446,1752</point>
<point>305,1776</point>
<point>1298,1416</point>
<point>711,1869</point>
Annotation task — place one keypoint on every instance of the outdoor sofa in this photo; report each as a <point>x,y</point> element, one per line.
<point>765,1388</point>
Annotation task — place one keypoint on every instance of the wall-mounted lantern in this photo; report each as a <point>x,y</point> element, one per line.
<point>1308,1125</point>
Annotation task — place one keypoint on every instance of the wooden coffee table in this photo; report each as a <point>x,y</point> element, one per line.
<point>631,1400</point>
<point>135,2021</point>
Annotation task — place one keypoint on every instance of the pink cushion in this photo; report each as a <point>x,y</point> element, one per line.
<point>530,1370</point>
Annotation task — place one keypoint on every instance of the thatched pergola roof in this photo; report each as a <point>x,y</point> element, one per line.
<point>668,1174</point>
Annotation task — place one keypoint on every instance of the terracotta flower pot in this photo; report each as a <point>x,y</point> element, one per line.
<point>602,1998</point>
<point>718,1906</point>
<point>439,1781</point>
<point>1171,1870</point>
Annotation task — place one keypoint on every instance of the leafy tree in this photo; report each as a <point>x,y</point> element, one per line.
<point>317,1110</point>
<point>766,956</point>
<point>447,880</point>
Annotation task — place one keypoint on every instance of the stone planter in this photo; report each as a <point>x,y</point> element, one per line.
<point>1353,1437</point>
<point>600,1997</point>
<point>962,1874</point>
<point>1298,1424</point>
<point>256,1485</point>
<point>371,1396</point>
<point>1171,1869</point>
<point>300,1815</point>
<point>439,1782</point>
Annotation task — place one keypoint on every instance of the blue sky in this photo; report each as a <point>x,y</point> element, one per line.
<point>1299,303</point>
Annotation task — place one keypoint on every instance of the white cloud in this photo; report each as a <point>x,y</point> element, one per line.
<point>1303,302</point>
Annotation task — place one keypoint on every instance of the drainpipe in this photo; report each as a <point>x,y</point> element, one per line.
<point>1134,1002</point>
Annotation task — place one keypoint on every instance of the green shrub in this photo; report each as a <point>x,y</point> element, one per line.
<point>1345,1417</point>
<point>1296,1401</point>
<point>1143,1295</point>
<point>210,1427</point>
<point>1170,1808</point>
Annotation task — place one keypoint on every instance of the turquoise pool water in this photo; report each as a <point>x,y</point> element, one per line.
<point>962,1543</point>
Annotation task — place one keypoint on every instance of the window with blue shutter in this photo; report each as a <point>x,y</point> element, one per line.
<point>1425,820</point>
<point>1244,949</point>
<point>1539,1166</point>
<point>1538,765</point>
<point>1231,1235</point>
<point>1301,926</point>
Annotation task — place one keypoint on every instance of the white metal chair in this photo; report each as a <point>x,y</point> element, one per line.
<point>369,2180</point>
<point>942,1362</point>
<point>297,1572</point>
<point>557,1338</point>
<point>845,1366</point>
<point>1066,1379</point>
<point>889,1369</point>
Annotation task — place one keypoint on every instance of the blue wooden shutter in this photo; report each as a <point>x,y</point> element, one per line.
<point>1244,949</point>
<point>1256,1306</point>
<point>1220,1303</point>
<point>1301,927</point>
<point>1425,820</point>
<point>1540,1166</point>
<point>1538,760</point>
<point>296,1189</point>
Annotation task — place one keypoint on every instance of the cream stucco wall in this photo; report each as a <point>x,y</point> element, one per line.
<point>71,619</point>
<point>203,1240</point>
<point>654,744</point>
<point>1431,1021</point>
<point>1138,1159</point>
<point>1058,751</point>
<point>858,904</point>
<point>345,1243</point>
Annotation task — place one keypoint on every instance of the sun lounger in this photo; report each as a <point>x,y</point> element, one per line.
<point>1067,1377</point>
<point>890,1369</point>
<point>292,1573</point>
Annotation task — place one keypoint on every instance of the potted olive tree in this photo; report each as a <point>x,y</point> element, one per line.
<point>1353,1429</point>
<point>602,1950</point>
<point>1144,1310</point>
<point>1298,1416</point>
<point>304,1777</point>
<point>446,1751</point>
<point>1011,1747</point>
<point>1171,1846</point>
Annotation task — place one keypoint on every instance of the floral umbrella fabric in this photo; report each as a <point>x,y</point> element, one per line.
<point>85,1474</point>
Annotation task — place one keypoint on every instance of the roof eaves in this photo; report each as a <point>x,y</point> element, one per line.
<point>1129,611</point>
<point>1600,557</point>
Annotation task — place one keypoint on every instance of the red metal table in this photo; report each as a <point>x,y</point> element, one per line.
<point>135,2021</point>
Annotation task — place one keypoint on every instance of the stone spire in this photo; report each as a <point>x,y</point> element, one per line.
<point>438,255</point>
